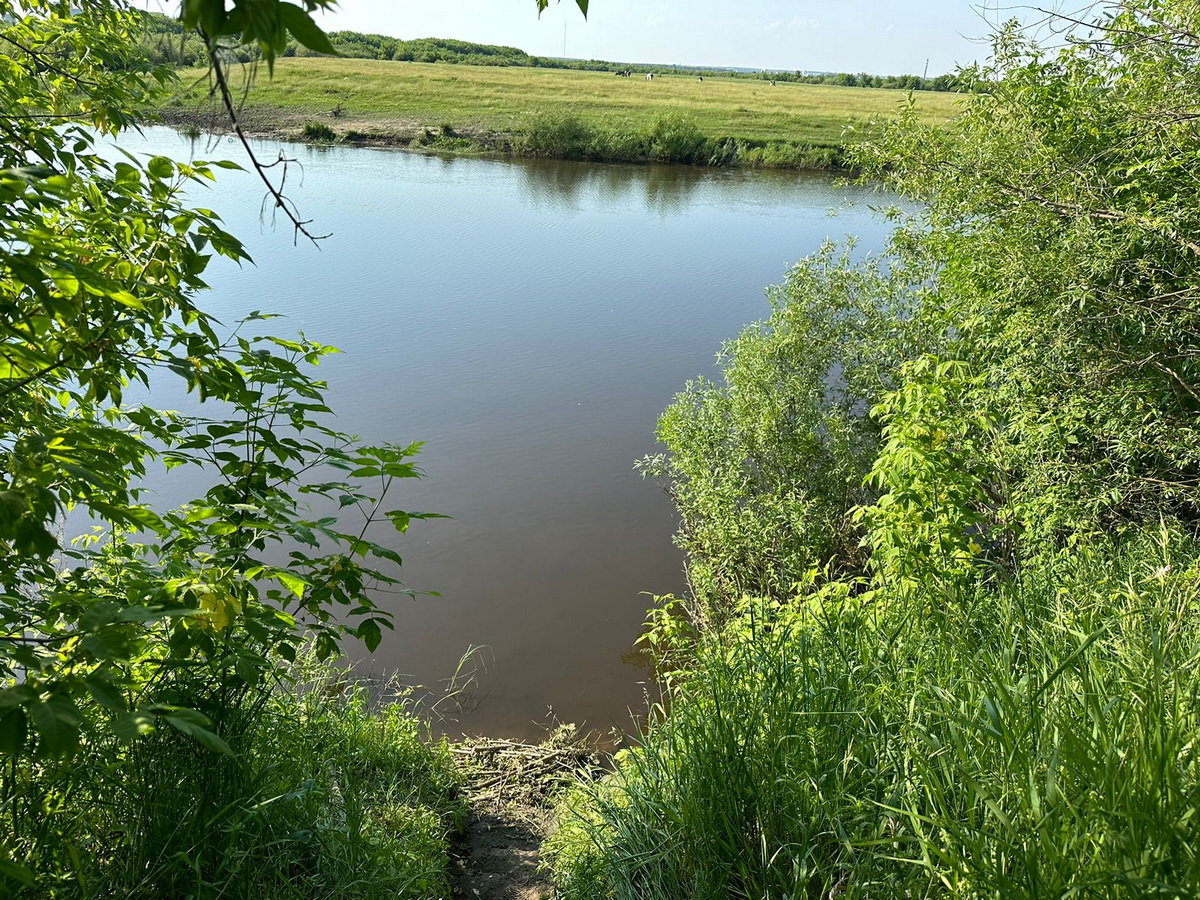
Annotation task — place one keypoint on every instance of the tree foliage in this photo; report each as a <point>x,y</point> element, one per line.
<point>156,619</point>
<point>1056,269</point>
<point>767,467</point>
<point>1065,236</point>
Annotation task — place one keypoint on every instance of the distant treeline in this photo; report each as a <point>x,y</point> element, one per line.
<point>167,42</point>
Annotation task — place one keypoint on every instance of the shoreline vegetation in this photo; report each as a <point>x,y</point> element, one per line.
<point>941,517</point>
<point>553,113</point>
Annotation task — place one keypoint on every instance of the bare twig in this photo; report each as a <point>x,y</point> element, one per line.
<point>276,197</point>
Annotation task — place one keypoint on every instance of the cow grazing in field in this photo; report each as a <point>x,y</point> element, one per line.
<point>649,76</point>
<point>701,78</point>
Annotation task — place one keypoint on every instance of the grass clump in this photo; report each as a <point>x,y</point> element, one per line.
<point>328,795</point>
<point>676,137</point>
<point>318,131</point>
<point>561,136</point>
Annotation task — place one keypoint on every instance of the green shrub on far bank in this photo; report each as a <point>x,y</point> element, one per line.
<point>1025,740</point>
<point>673,137</point>
<point>560,136</point>
<point>328,795</point>
<point>794,155</point>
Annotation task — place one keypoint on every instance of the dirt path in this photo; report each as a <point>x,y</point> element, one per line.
<point>511,790</point>
<point>499,861</point>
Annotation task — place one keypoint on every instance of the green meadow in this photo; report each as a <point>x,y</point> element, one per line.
<point>501,107</point>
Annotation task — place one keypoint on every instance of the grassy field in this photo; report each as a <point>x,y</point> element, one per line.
<point>401,100</point>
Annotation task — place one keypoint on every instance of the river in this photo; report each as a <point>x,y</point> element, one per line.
<point>527,320</point>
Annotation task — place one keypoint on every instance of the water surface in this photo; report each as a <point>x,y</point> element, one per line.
<point>527,320</point>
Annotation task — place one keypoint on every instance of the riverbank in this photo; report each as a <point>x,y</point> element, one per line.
<point>556,114</point>
<point>675,139</point>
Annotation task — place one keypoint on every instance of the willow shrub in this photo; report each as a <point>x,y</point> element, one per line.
<point>766,467</point>
<point>1068,266</point>
<point>1028,739</point>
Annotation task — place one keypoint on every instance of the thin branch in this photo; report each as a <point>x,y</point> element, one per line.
<point>1106,215</point>
<point>280,202</point>
<point>41,60</point>
<point>1141,37</point>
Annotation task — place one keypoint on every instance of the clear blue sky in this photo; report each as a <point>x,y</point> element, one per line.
<point>877,36</point>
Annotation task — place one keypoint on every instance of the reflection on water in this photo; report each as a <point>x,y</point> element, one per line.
<point>559,185</point>
<point>528,321</point>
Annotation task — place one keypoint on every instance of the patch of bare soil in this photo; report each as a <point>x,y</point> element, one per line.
<point>511,790</point>
<point>498,860</point>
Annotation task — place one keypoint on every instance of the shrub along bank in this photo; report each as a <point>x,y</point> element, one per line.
<point>673,137</point>
<point>941,521</point>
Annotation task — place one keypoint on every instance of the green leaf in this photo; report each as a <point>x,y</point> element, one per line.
<point>368,632</point>
<point>127,174</point>
<point>196,726</point>
<point>134,724</point>
<point>57,722</point>
<point>304,29</point>
<point>108,644</point>
<point>582,4</point>
<point>14,729</point>
<point>19,695</point>
<point>106,694</point>
<point>293,583</point>
<point>161,168</point>
<point>100,615</point>
<point>16,872</point>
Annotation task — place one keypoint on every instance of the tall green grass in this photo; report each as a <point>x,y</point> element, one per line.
<point>1032,739</point>
<point>326,796</point>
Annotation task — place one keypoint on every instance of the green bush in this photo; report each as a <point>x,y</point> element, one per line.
<point>559,136</point>
<point>676,138</point>
<point>766,468</point>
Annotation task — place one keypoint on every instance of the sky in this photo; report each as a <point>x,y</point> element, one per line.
<point>877,36</point>
<point>883,37</point>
